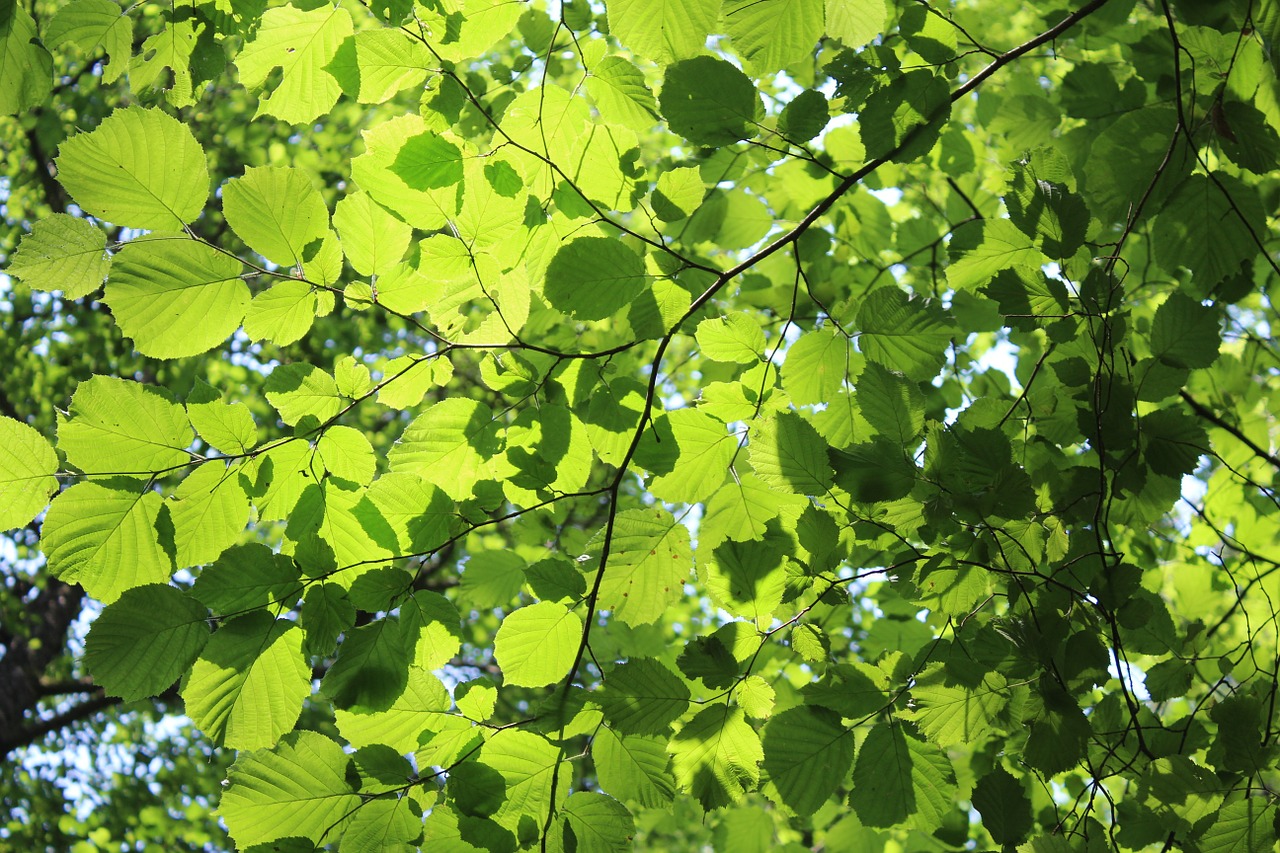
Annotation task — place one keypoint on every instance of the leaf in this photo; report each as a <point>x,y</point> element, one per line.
<point>299,43</point>
<point>209,512</point>
<point>1210,226</point>
<point>373,240</point>
<point>448,445</point>
<point>689,454</point>
<point>807,753</point>
<point>633,767</point>
<point>246,689</point>
<point>25,66</point>
<point>773,34</point>
<point>1004,805</point>
<point>735,338</point>
<point>747,580</point>
<point>283,313</point>
<point>428,162</point>
<point>716,756</point>
<point>105,537</point>
<point>594,823</point>
<point>277,212</point>
<point>647,567</point>
<point>248,577</point>
<point>891,403</point>
<point>536,644</point>
<point>139,169</point>
<point>908,335</point>
<point>299,788</point>
<point>817,367</point>
<point>663,30</point>
<point>643,697</point>
<point>619,90</point>
<point>175,297</point>
<point>301,390</point>
<point>526,762</point>
<point>949,714</point>
<point>372,667</point>
<point>228,427</point>
<point>143,642</point>
<point>855,22</point>
<point>422,705</point>
<point>899,780</point>
<point>787,454</point>
<point>804,117</point>
<point>990,245</point>
<point>1245,825</point>
<point>347,454</point>
<point>593,278</point>
<point>62,253</point>
<point>27,468</point>
<point>709,102</point>
<point>1185,333</point>
<point>387,61</point>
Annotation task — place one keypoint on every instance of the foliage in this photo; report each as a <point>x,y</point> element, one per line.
<point>570,426</point>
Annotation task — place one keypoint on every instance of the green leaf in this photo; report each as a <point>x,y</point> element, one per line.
<point>709,102</point>
<point>1210,226</point>
<point>247,687</point>
<point>299,390</point>
<point>105,536</point>
<point>1173,441</point>
<point>663,30</point>
<point>1185,333</point>
<point>347,454</point>
<point>593,278</point>
<point>428,162</point>
<point>735,338</point>
<point>536,645</point>
<point>688,453</point>
<point>855,22</point>
<point>421,706</point>
<point>283,313</point>
<point>948,713</point>
<point>807,753</point>
<point>716,756</point>
<point>621,94</point>
<point>247,577</point>
<point>908,335</point>
<point>164,63</point>
<point>818,365</point>
<point>139,169</point>
<point>1004,805</point>
<point>387,61</point>
<point>299,788</point>
<point>1047,212</point>
<point>899,780</point>
<point>27,468</point>
<point>991,245</point>
<point>593,823</point>
<point>176,297</point>
<point>804,117</point>
<point>788,454</point>
<point>227,427</point>
<point>902,120</point>
<point>633,768</point>
<point>299,43</point>
<point>647,566</point>
<point>25,67</point>
<point>143,642</point>
<point>277,212</point>
<point>891,403</point>
<point>62,253</point>
<point>373,240</point>
<point>1245,826</point>
<point>678,194</point>
<point>772,34</point>
<point>372,667</point>
<point>747,579</point>
<point>449,445</point>
<point>209,512</point>
<point>643,697</point>
<point>526,762</point>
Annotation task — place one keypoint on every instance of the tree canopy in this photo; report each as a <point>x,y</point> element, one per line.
<point>492,425</point>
